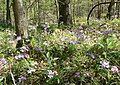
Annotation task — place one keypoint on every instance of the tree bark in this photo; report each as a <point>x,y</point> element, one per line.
<point>110,8</point>
<point>118,9</point>
<point>99,11</point>
<point>8,17</point>
<point>20,21</point>
<point>64,12</point>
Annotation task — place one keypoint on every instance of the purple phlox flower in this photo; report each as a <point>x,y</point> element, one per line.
<point>31,70</point>
<point>105,64</point>
<point>114,69</point>
<point>77,74</point>
<point>3,61</point>
<point>21,56</point>
<point>24,49</point>
<point>18,38</point>
<point>26,55</point>
<point>74,42</point>
<point>81,36</point>
<point>21,78</point>
<point>38,49</point>
<point>51,73</point>
<point>106,32</point>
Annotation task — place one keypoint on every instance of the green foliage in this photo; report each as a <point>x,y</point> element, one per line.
<point>79,54</point>
<point>64,59</point>
<point>61,58</point>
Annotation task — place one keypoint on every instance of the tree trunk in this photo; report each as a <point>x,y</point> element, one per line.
<point>39,12</point>
<point>20,21</point>
<point>64,12</point>
<point>118,9</point>
<point>99,11</point>
<point>8,17</point>
<point>110,8</point>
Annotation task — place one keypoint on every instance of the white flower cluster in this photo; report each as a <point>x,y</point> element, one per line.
<point>51,73</point>
<point>21,56</point>
<point>105,64</point>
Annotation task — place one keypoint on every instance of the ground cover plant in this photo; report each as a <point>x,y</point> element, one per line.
<point>59,42</point>
<point>76,56</point>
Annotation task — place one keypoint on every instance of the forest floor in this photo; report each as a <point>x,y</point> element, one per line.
<point>82,55</point>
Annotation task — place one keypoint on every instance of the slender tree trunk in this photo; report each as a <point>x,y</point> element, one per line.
<point>8,17</point>
<point>110,8</point>
<point>57,11</point>
<point>20,21</point>
<point>39,12</point>
<point>73,8</point>
<point>3,13</point>
<point>118,9</point>
<point>99,11</point>
<point>101,7</point>
<point>64,12</point>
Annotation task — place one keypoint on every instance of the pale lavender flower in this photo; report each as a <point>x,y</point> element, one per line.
<point>24,49</point>
<point>105,64</point>
<point>77,74</point>
<point>74,42</point>
<point>21,78</point>
<point>106,32</point>
<point>26,55</point>
<point>38,49</point>
<point>20,56</point>
<point>50,73</point>
<point>3,60</point>
<point>114,69</point>
<point>18,38</point>
<point>31,70</point>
